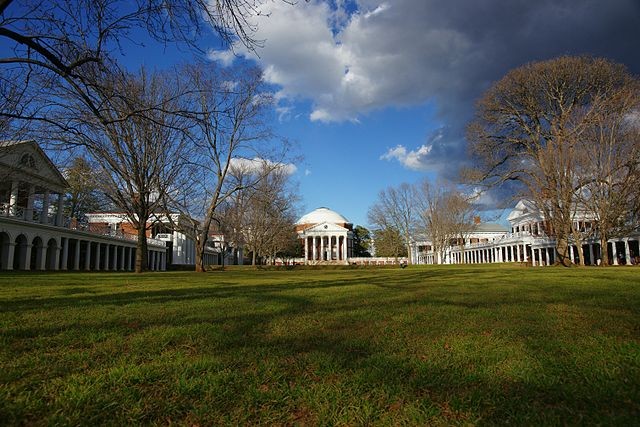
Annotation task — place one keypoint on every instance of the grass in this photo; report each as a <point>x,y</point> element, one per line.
<point>431,345</point>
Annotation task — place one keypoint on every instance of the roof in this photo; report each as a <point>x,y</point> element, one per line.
<point>490,228</point>
<point>13,152</point>
<point>321,215</point>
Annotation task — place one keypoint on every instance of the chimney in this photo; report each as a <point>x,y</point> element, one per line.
<point>476,220</point>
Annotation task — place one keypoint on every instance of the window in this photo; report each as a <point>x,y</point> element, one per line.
<point>28,161</point>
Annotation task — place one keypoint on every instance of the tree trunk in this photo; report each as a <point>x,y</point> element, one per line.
<point>253,258</point>
<point>200,243</point>
<point>562,250</point>
<point>604,251</point>
<point>199,259</point>
<point>580,254</point>
<point>141,249</point>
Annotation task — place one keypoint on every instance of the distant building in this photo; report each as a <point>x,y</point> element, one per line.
<point>327,237</point>
<point>528,240</point>
<point>180,248</point>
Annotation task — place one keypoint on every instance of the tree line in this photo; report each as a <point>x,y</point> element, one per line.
<point>439,213</point>
<point>562,133</point>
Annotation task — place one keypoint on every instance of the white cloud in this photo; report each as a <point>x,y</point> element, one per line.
<point>256,164</point>
<point>224,57</point>
<point>414,159</point>
<point>349,64</point>
<point>350,61</point>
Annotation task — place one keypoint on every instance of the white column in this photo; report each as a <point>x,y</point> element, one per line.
<point>65,253</point>
<point>41,257</point>
<point>87,260</point>
<point>524,252</point>
<point>97,264</point>
<point>28,214</point>
<point>123,254</point>
<point>76,256</point>
<point>322,250</point>
<point>163,265</point>
<point>331,247</point>
<point>23,264</point>
<point>107,265</point>
<point>115,258</point>
<point>44,218</point>
<point>313,247</point>
<point>518,253</point>
<point>129,254</point>
<point>614,253</point>
<point>306,249</point>
<point>533,257</point>
<point>571,253</point>
<point>13,199</point>
<point>548,254</point>
<point>60,210</point>
<point>9,255</point>
<point>56,256</point>
<point>592,255</point>
<point>627,252</point>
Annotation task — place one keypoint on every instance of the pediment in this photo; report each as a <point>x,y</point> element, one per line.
<point>522,209</point>
<point>25,160</point>
<point>326,227</point>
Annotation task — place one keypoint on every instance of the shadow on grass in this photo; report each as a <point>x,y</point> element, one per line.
<point>413,336</point>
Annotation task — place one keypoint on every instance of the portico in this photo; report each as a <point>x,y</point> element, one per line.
<point>326,236</point>
<point>35,235</point>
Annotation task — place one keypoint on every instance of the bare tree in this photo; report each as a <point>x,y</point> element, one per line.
<point>609,163</point>
<point>229,129</point>
<point>445,214</point>
<point>270,214</point>
<point>84,195</point>
<point>138,158</point>
<point>396,209</point>
<point>531,126</point>
<point>53,42</point>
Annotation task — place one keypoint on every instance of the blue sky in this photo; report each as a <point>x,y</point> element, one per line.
<point>378,92</point>
<point>375,93</point>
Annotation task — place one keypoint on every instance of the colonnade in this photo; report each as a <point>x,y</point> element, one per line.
<point>621,251</point>
<point>39,252</point>
<point>326,248</point>
<point>22,199</point>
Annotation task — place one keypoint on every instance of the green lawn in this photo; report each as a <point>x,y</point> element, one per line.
<point>429,345</point>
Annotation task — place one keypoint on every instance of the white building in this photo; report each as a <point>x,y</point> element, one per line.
<point>327,237</point>
<point>528,241</point>
<point>35,235</point>
<point>180,248</point>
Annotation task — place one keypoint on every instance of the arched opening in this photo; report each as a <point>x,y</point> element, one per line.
<point>52,248</point>
<point>20,261</point>
<point>5,247</point>
<point>37,253</point>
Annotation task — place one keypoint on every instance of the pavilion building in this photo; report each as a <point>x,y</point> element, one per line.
<point>529,240</point>
<point>327,237</point>
<point>34,232</point>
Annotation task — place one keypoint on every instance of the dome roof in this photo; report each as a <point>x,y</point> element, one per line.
<point>321,215</point>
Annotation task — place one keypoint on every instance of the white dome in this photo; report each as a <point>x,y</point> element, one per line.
<point>321,215</point>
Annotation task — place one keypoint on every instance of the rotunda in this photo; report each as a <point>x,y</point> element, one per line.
<point>327,237</point>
